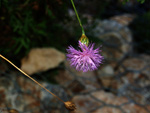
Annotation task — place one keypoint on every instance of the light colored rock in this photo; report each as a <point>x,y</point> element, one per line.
<point>108,70</point>
<point>106,76</point>
<point>41,59</point>
<point>124,19</point>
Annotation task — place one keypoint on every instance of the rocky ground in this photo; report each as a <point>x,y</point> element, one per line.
<point>120,85</point>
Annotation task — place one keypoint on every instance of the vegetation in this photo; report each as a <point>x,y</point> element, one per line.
<point>30,24</point>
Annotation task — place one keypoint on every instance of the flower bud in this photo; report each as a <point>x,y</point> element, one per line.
<point>70,105</point>
<point>84,39</point>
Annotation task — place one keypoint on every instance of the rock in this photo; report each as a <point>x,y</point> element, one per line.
<point>107,77</point>
<point>76,82</point>
<point>130,108</point>
<point>3,66</point>
<point>85,103</point>
<point>137,68</point>
<point>108,70</point>
<point>41,59</point>
<point>108,82</point>
<point>24,95</point>
<point>64,78</point>
<point>135,64</point>
<point>76,87</point>
<point>133,108</point>
<point>116,39</point>
<point>103,102</point>
<point>124,19</point>
<point>135,80</point>
<point>109,98</point>
<point>108,110</point>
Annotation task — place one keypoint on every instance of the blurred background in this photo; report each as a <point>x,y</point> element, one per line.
<point>34,35</point>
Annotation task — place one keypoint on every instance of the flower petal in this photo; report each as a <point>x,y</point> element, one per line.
<point>86,60</point>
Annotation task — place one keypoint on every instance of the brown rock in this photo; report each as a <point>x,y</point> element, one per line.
<point>132,108</point>
<point>64,77</point>
<point>148,107</point>
<point>76,87</point>
<point>3,65</point>
<point>106,76</point>
<point>116,38</point>
<point>109,98</point>
<point>89,74</point>
<point>138,68</point>
<point>84,103</point>
<point>24,95</point>
<point>134,64</point>
<point>80,81</point>
<point>2,97</point>
<point>107,110</point>
<point>107,81</point>
<point>135,75</point>
<point>90,84</point>
<point>41,59</point>
<point>28,85</point>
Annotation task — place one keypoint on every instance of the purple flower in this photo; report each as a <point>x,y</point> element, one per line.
<point>86,59</point>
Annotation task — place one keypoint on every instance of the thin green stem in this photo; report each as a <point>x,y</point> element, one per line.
<point>78,17</point>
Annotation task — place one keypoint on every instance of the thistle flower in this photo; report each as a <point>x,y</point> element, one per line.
<point>86,59</point>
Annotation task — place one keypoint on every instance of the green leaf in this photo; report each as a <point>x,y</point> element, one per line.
<point>125,1</point>
<point>41,32</point>
<point>50,14</point>
<point>18,49</point>
<point>142,1</point>
<point>24,43</point>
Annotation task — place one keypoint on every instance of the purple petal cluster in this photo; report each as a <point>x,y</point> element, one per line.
<point>86,59</point>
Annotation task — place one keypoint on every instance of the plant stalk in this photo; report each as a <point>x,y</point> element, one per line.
<point>77,16</point>
<point>31,78</point>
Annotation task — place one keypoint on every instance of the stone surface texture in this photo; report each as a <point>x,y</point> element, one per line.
<point>116,39</point>
<point>41,59</point>
<point>120,85</point>
<point>20,93</point>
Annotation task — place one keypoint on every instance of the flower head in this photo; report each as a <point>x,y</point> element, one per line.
<point>86,59</point>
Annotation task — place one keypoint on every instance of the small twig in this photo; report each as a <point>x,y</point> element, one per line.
<point>30,77</point>
<point>69,105</point>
